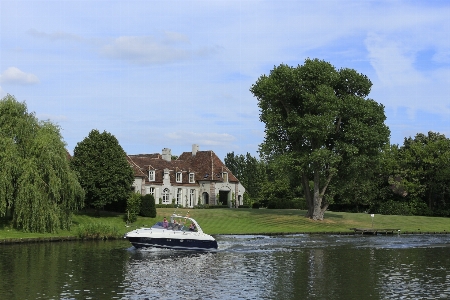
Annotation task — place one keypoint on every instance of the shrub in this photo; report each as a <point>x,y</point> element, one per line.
<point>295,203</point>
<point>255,205</point>
<point>166,206</point>
<point>202,206</point>
<point>218,206</point>
<point>97,231</point>
<point>413,207</point>
<point>243,206</point>
<point>133,207</point>
<point>148,208</point>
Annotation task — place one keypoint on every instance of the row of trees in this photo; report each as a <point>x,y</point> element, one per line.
<point>326,144</point>
<point>408,179</point>
<point>41,186</point>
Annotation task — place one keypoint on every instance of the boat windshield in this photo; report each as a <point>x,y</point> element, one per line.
<point>177,224</point>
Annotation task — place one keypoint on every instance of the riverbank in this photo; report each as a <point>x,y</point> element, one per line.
<point>243,221</point>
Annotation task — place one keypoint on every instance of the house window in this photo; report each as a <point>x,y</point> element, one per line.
<point>191,197</point>
<point>191,178</point>
<point>151,175</point>
<point>225,177</point>
<point>179,178</point>
<point>179,196</point>
<point>165,196</point>
<point>152,192</point>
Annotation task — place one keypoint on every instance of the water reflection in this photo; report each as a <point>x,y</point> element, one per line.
<point>245,267</point>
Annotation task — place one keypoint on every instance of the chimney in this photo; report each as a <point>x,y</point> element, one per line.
<point>166,154</point>
<point>195,148</point>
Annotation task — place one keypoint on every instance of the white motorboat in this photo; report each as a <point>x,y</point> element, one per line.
<point>180,233</point>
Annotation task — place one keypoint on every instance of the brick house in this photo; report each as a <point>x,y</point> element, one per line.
<point>194,178</point>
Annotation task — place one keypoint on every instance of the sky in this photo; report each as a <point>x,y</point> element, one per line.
<point>169,74</point>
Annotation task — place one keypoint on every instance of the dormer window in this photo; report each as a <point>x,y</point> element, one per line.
<point>225,176</point>
<point>151,175</point>
<point>179,177</point>
<point>191,178</point>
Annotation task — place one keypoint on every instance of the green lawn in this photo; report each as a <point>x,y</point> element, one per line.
<point>254,221</point>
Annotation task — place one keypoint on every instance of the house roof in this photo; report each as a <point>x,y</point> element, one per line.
<point>205,165</point>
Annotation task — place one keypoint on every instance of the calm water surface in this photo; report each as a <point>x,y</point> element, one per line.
<point>245,267</point>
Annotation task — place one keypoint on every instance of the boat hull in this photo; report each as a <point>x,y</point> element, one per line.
<point>173,243</point>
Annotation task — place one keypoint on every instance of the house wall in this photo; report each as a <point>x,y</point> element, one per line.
<point>211,188</point>
<point>138,185</point>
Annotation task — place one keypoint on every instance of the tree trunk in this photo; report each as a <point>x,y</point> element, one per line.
<point>430,204</point>
<point>317,214</point>
<point>316,204</point>
<point>308,198</point>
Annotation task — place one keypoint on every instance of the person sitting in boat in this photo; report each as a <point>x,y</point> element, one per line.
<point>165,223</point>
<point>192,227</point>
<point>175,224</point>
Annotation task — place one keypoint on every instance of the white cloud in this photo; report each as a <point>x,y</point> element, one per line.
<point>207,139</point>
<point>53,118</point>
<point>54,36</point>
<point>16,76</point>
<point>143,50</point>
<point>172,37</point>
<point>147,50</point>
<point>392,61</point>
<point>399,83</point>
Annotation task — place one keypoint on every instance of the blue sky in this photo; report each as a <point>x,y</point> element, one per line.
<point>168,74</point>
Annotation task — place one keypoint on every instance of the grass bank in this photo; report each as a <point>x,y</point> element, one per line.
<point>254,221</point>
<point>240,221</point>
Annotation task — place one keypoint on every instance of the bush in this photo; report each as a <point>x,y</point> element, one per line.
<point>97,231</point>
<point>243,206</point>
<point>166,206</point>
<point>284,204</point>
<point>133,207</point>
<point>218,206</point>
<point>255,205</point>
<point>148,208</point>
<point>413,207</point>
<point>201,206</point>
<point>247,200</point>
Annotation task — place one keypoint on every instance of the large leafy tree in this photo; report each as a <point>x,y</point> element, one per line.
<point>319,121</point>
<point>250,171</point>
<point>419,172</point>
<point>37,187</point>
<point>103,170</point>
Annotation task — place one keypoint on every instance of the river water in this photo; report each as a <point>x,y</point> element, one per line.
<point>245,267</point>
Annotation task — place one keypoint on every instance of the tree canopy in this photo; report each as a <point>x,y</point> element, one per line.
<point>38,190</point>
<point>103,169</point>
<point>418,176</point>
<point>320,122</point>
<point>249,170</point>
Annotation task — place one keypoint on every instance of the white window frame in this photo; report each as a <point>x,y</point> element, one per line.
<point>191,178</point>
<point>179,196</point>
<point>152,192</point>
<point>166,196</point>
<point>192,197</point>
<point>151,175</point>
<point>179,177</point>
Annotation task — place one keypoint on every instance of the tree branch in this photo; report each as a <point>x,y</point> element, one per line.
<point>327,182</point>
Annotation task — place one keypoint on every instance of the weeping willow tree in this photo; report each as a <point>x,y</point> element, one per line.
<point>38,190</point>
